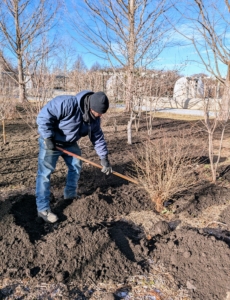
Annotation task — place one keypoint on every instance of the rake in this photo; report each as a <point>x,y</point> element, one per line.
<point>96,165</point>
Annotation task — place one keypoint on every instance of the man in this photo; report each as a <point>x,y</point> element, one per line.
<point>62,122</point>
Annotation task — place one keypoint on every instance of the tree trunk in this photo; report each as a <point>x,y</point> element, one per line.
<point>129,132</point>
<point>129,94</point>
<point>131,57</point>
<point>21,81</point>
<point>224,110</point>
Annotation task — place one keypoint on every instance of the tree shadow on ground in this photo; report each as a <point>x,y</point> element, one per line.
<point>225,173</point>
<point>73,293</point>
<point>218,233</point>
<point>189,199</point>
<point>130,243</point>
<point>5,207</point>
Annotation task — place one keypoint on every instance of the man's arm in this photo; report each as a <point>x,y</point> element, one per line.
<point>47,118</point>
<point>52,113</point>
<point>98,140</point>
<point>100,146</point>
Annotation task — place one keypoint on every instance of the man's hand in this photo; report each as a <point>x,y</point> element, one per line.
<point>107,169</point>
<point>50,144</point>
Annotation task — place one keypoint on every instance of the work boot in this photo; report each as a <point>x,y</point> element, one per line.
<point>48,216</point>
<point>72,197</point>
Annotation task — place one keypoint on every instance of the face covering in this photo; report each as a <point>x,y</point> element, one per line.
<point>87,113</point>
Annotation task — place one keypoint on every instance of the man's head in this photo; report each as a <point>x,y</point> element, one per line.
<point>98,103</point>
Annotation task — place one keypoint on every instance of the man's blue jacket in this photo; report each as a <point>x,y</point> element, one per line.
<point>62,119</point>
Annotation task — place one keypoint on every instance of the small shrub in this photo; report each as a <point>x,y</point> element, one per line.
<point>7,111</point>
<point>167,166</point>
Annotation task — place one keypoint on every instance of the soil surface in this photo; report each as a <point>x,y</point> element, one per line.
<point>111,232</point>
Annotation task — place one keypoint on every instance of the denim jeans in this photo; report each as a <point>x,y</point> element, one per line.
<point>47,160</point>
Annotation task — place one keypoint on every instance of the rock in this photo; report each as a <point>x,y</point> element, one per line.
<point>174,259</point>
<point>60,277</point>
<point>160,228</point>
<point>190,286</point>
<point>187,254</point>
<point>107,296</point>
<point>170,244</point>
<point>122,294</point>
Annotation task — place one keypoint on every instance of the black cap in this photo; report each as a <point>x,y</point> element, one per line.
<point>99,102</point>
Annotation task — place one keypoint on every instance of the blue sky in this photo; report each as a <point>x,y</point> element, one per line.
<point>178,57</point>
<point>186,58</point>
<point>181,56</point>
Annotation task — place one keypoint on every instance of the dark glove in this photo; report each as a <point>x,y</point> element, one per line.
<point>50,144</point>
<point>107,169</point>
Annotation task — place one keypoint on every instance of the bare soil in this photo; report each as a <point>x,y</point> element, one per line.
<point>111,233</point>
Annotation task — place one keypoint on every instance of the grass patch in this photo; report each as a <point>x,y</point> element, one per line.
<point>167,115</point>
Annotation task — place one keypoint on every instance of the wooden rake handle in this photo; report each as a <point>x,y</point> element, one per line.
<point>96,165</point>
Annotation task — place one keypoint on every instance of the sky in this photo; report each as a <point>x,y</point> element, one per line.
<point>174,58</point>
<point>179,55</point>
<point>186,59</point>
<point>183,58</point>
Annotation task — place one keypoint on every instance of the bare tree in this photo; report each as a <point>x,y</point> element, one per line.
<point>96,67</point>
<point>213,121</point>
<point>7,87</point>
<point>209,29</point>
<point>22,23</point>
<point>64,57</point>
<point>128,33</point>
<point>208,23</point>
<point>79,64</point>
<point>7,110</point>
